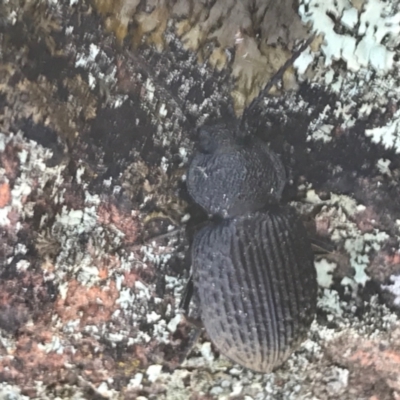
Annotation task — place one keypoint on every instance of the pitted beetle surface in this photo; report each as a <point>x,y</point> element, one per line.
<point>256,282</point>
<point>231,175</point>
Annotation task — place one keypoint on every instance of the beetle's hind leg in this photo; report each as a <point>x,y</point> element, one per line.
<point>188,296</point>
<point>184,305</point>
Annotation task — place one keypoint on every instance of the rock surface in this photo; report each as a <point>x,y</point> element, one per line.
<point>99,102</point>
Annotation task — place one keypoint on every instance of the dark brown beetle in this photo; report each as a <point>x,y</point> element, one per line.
<point>253,270</point>
<point>255,279</point>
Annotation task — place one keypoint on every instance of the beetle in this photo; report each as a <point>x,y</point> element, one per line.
<point>253,272</point>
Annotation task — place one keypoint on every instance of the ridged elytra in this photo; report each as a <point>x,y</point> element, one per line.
<point>255,279</point>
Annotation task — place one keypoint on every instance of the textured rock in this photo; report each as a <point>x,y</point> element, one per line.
<point>262,31</point>
<point>95,139</point>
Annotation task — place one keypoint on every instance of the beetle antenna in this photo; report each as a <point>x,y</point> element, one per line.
<point>275,78</point>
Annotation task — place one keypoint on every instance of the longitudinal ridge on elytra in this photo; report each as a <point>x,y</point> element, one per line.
<point>256,284</point>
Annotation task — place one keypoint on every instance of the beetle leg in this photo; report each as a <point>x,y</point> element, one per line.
<point>321,247</point>
<point>193,338</point>
<point>174,232</point>
<point>187,296</point>
<point>184,306</point>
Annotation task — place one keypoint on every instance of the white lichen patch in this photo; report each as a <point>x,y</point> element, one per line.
<point>322,132</point>
<point>69,228</point>
<point>383,166</point>
<point>359,247</point>
<point>173,324</point>
<point>54,345</point>
<point>303,61</point>
<point>153,372</point>
<point>388,135</point>
<point>366,37</point>
<point>330,302</point>
<point>394,288</point>
<point>126,298</point>
<point>319,130</point>
<point>93,59</point>
<point>154,254</point>
<point>136,382</point>
<point>8,343</point>
<point>78,221</point>
<point>34,175</point>
<point>324,272</point>
<point>11,392</point>
<point>104,390</point>
<point>341,210</point>
<point>337,380</point>
<point>359,49</point>
<point>206,351</point>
